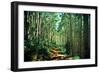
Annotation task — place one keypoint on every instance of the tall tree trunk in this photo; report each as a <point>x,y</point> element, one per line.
<point>70,36</point>
<point>82,38</point>
<point>86,36</point>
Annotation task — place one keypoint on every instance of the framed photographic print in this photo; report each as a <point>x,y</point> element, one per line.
<point>52,36</point>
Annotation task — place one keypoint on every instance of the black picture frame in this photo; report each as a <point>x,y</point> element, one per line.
<point>14,35</point>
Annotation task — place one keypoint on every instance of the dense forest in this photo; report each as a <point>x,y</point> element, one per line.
<point>56,36</point>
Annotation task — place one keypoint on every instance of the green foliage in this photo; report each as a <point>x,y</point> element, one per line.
<point>76,57</point>
<point>44,31</point>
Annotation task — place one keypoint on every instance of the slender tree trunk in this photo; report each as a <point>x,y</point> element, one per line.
<point>70,36</point>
